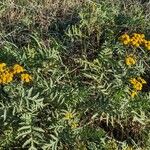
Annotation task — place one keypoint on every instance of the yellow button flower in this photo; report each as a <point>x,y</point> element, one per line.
<point>68,116</point>
<point>133,94</point>
<point>26,77</point>
<point>137,45</point>
<point>6,77</point>
<point>2,67</point>
<point>147,45</point>
<point>17,69</point>
<point>142,36</point>
<point>9,78</point>
<point>130,60</point>
<point>125,42</point>
<point>133,80</point>
<point>138,86</point>
<point>125,39</point>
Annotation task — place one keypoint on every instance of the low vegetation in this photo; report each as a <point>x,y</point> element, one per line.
<point>75,74</point>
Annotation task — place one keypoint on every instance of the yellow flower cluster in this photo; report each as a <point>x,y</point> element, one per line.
<point>25,77</point>
<point>130,60</point>
<point>7,74</point>
<point>137,84</point>
<point>135,40</point>
<point>17,69</point>
<point>125,39</point>
<point>70,117</point>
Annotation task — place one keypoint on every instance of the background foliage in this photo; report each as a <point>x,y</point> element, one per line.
<point>78,98</point>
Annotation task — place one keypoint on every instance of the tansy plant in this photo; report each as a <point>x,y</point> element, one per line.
<point>8,74</point>
<point>79,66</point>
<point>135,40</point>
<point>137,85</point>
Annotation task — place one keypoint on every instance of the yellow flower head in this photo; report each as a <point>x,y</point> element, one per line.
<point>126,42</point>
<point>125,39</point>
<point>17,69</point>
<point>133,80</point>
<point>69,116</point>
<point>133,94</point>
<point>142,36</point>
<point>138,86</point>
<point>6,77</point>
<point>147,45</point>
<point>26,77</point>
<point>2,67</point>
<point>130,60</point>
<point>137,44</point>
